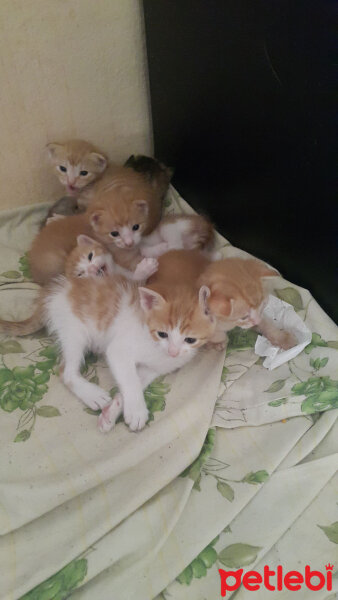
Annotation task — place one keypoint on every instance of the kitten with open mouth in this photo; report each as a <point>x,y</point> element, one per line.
<point>92,259</point>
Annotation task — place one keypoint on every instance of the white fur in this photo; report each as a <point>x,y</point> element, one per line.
<point>167,236</point>
<point>134,357</point>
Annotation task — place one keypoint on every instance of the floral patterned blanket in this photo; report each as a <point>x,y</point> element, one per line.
<point>237,467</point>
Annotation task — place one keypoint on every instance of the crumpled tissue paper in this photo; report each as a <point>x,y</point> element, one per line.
<point>285,317</point>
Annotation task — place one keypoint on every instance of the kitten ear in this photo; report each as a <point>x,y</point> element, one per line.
<point>203,296</point>
<point>262,269</point>
<point>95,218</point>
<point>85,240</point>
<point>220,305</point>
<point>142,205</point>
<point>99,161</point>
<point>149,299</point>
<point>53,150</point>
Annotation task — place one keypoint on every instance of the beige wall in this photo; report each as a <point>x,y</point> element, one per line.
<point>68,68</point>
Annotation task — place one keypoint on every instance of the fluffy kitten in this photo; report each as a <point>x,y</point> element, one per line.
<point>157,173</point>
<point>237,297</point>
<point>143,332</point>
<point>178,231</point>
<point>77,164</point>
<point>91,259</point>
<point>125,208</point>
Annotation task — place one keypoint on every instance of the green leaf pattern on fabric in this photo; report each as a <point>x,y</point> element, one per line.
<point>321,394</point>
<point>194,470</point>
<point>238,555</point>
<point>60,585</point>
<point>155,395</point>
<point>291,296</point>
<point>24,266</point>
<point>198,567</point>
<point>331,531</point>
<point>241,339</point>
<point>22,387</point>
<point>276,386</point>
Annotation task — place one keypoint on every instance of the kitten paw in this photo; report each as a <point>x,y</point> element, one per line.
<point>97,400</point>
<point>136,417</point>
<point>110,414</point>
<point>145,268</point>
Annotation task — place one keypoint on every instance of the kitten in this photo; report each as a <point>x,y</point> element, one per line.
<point>178,232</point>
<point>144,333</point>
<point>91,259</point>
<point>237,297</point>
<point>77,164</point>
<point>157,173</point>
<point>151,169</point>
<point>125,208</point>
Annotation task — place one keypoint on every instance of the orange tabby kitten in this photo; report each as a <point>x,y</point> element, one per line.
<point>77,164</point>
<point>125,208</point>
<point>237,297</point>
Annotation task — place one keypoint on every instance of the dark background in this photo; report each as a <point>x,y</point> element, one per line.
<point>244,107</point>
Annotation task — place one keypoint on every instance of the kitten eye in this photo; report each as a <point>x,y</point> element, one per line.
<point>135,227</point>
<point>90,256</point>
<point>114,233</point>
<point>190,340</point>
<point>63,169</point>
<point>162,334</point>
<point>83,173</point>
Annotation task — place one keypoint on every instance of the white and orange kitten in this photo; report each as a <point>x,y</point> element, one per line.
<point>237,296</point>
<point>92,259</point>
<point>125,207</point>
<point>178,232</point>
<point>143,332</point>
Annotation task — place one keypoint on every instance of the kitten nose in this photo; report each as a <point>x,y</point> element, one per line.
<point>173,351</point>
<point>128,243</point>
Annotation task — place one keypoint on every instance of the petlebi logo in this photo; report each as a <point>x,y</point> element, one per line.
<point>276,580</point>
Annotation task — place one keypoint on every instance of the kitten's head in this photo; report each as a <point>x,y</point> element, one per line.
<point>158,174</point>
<point>121,212</point>
<point>237,296</point>
<point>88,259</point>
<point>178,318</point>
<point>77,163</point>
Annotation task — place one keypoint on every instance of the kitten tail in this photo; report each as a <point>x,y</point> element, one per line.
<point>26,327</point>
